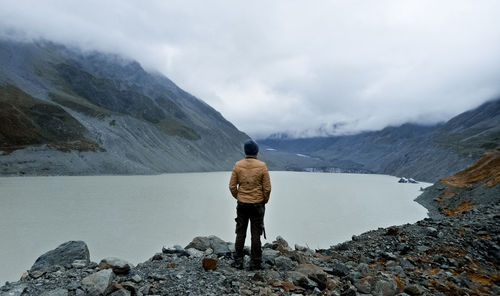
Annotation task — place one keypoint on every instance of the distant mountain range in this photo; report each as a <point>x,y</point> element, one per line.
<point>425,153</point>
<point>63,111</point>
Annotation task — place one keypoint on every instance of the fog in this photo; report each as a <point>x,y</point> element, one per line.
<point>307,68</point>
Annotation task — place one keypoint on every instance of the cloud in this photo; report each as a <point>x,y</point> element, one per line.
<point>305,67</point>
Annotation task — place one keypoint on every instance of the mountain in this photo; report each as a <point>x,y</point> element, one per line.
<point>473,186</point>
<point>64,111</point>
<point>422,152</point>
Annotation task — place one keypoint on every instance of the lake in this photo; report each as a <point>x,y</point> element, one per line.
<point>132,217</point>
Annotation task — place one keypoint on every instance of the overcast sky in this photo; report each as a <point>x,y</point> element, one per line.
<point>305,67</point>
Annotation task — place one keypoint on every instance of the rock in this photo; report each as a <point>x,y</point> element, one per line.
<point>218,246</point>
<point>121,292</point>
<point>137,278</point>
<point>281,245</point>
<point>332,284</point>
<point>337,268</point>
<point>129,286</point>
<point>389,265</point>
<point>411,180</point>
<point>363,268</point>
<point>299,257</point>
<point>315,273</point>
<point>271,275</point>
<point>269,256</point>
<point>284,263</point>
<point>385,287</point>
<point>73,285</point>
<point>63,255</point>
<point>118,266</point>
<point>246,292</point>
<point>15,291</point>
<point>423,249</point>
<point>209,263</point>
<point>79,263</point>
<point>355,275</point>
<point>257,277</point>
<point>200,243</point>
<point>56,292</point>
<point>195,253</point>
<point>364,285</point>
<point>403,180</point>
<point>98,283</point>
<point>393,230</point>
<point>178,250</point>
<point>300,279</point>
<point>208,251</point>
<point>348,290</point>
<point>145,290</point>
<point>388,256</point>
<point>37,273</point>
<point>432,231</point>
<point>265,291</point>
<point>287,286</point>
<point>414,290</point>
<point>403,248</point>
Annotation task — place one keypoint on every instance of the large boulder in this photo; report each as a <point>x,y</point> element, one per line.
<point>64,255</point>
<point>203,243</point>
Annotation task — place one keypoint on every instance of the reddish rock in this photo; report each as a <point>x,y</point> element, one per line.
<point>209,263</point>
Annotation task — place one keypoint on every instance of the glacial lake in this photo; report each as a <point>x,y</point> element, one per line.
<point>133,217</point>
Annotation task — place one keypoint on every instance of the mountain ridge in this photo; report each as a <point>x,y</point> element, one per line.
<point>140,123</point>
<point>425,153</point>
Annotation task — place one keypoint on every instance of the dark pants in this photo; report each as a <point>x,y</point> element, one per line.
<point>255,214</point>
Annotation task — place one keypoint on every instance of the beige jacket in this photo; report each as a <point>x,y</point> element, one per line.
<point>250,182</point>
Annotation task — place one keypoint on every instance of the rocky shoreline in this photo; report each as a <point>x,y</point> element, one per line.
<point>450,256</point>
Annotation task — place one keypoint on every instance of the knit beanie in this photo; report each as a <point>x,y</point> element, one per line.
<point>251,148</point>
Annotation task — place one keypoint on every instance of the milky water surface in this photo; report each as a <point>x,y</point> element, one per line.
<point>132,217</point>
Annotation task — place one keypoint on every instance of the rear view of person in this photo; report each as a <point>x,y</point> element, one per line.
<point>251,186</point>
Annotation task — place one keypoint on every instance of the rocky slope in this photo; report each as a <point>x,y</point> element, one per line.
<point>424,153</point>
<point>455,252</point>
<point>475,185</point>
<point>69,112</point>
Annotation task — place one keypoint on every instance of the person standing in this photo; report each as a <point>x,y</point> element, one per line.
<point>250,185</point>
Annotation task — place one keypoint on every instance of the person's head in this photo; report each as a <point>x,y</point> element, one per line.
<point>251,148</point>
